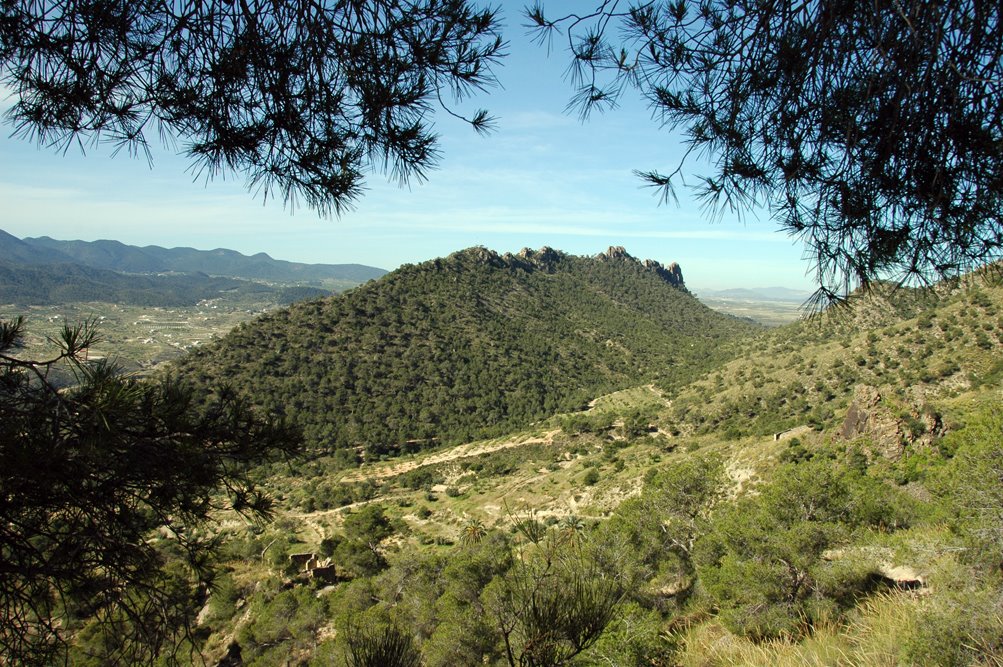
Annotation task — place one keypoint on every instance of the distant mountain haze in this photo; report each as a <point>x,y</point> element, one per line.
<point>44,271</point>
<point>782,294</point>
<point>117,256</point>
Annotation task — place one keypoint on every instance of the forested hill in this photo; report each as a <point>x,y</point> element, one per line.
<point>469,345</point>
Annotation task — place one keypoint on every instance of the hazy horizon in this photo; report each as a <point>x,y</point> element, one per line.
<point>692,287</point>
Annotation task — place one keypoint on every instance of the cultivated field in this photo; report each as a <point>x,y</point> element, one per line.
<point>137,337</point>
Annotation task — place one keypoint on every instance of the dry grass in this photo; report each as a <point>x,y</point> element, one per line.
<point>712,645</point>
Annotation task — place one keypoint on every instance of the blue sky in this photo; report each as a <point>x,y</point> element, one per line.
<point>544,178</point>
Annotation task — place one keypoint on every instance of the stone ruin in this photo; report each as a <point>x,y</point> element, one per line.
<point>315,568</point>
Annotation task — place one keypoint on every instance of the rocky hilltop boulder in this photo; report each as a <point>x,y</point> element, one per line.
<point>549,260</point>
<point>546,258</point>
<point>615,252</point>
<point>671,274</point>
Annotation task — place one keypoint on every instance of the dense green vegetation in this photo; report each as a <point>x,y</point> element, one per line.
<point>471,345</point>
<point>824,493</point>
<point>913,346</point>
<point>640,535</point>
<point>107,489</point>
<point>803,564</point>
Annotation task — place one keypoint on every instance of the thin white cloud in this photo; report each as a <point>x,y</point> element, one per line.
<point>75,213</point>
<point>580,223</point>
<point>529,205</point>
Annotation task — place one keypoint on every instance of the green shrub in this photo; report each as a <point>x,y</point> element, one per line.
<point>762,562</point>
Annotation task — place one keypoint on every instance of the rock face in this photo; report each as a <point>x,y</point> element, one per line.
<point>483,255</point>
<point>671,274</point>
<point>614,252</point>
<point>547,259</point>
<point>868,416</point>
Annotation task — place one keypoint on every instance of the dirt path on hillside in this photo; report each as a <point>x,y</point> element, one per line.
<point>650,387</point>
<point>314,520</point>
<point>392,469</point>
<point>660,394</point>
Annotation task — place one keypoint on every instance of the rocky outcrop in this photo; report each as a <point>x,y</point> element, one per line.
<point>482,255</point>
<point>545,255</point>
<point>548,260</point>
<point>889,430</point>
<point>671,274</point>
<point>902,577</point>
<point>615,252</point>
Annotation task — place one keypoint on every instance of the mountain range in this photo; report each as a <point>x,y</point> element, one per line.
<point>781,294</point>
<point>43,271</point>
<point>117,256</point>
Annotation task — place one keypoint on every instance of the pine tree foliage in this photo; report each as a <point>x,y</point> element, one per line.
<point>554,603</point>
<point>87,473</point>
<point>302,98</point>
<point>872,131</point>
<point>384,645</point>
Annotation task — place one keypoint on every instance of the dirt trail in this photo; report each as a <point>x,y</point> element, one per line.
<point>660,394</point>
<point>313,520</point>
<point>392,469</point>
<point>650,387</point>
